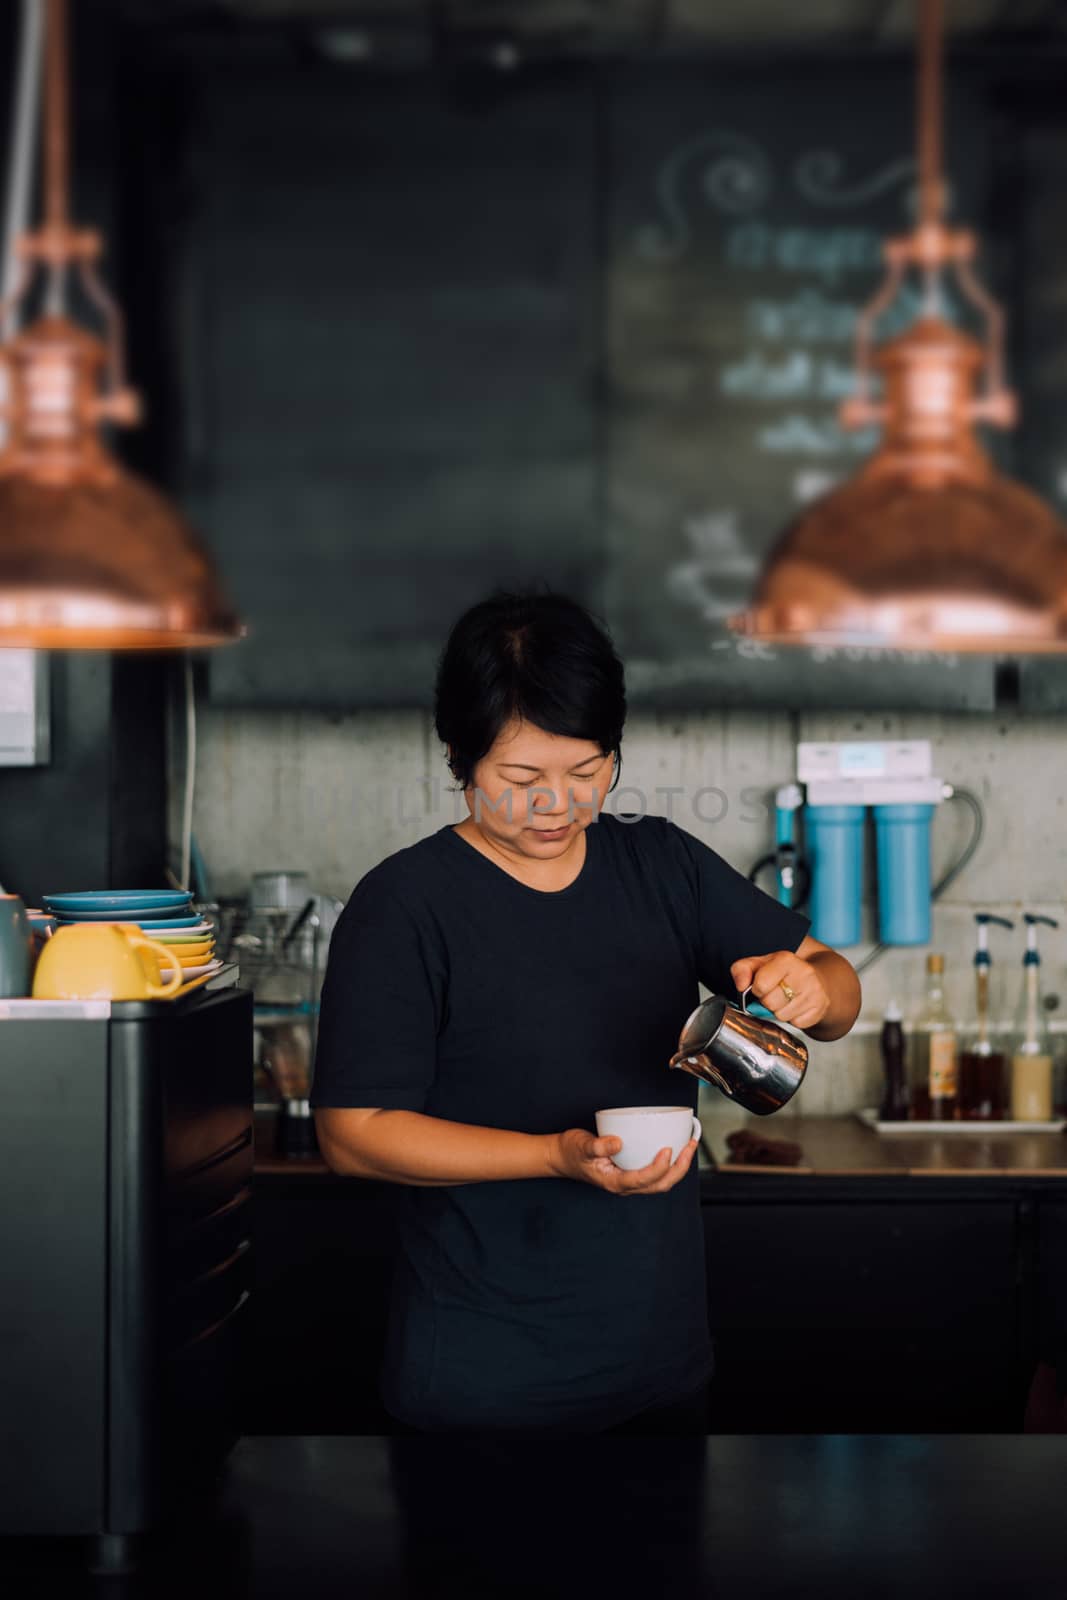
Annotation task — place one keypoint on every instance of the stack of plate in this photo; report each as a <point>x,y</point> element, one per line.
<point>165,915</point>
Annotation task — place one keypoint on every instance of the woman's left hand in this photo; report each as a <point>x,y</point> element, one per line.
<point>786,985</point>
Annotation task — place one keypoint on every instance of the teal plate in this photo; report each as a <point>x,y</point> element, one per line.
<point>112,900</point>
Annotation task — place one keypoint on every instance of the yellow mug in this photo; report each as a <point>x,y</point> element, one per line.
<point>104,961</point>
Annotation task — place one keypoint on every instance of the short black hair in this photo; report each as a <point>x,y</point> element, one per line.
<point>534,655</point>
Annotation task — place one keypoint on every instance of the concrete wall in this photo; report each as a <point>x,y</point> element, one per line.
<point>334,794</point>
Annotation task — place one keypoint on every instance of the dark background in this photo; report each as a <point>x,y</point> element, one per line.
<point>406,330</point>
<point>410,328</point>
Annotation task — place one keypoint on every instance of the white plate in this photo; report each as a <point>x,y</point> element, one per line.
<point>869,1118</point>
<point>198,972</point>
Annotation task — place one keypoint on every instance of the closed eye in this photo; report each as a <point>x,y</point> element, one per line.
<point>517,784</point>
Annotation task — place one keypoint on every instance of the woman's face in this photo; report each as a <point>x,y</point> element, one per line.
<point>535,791</point>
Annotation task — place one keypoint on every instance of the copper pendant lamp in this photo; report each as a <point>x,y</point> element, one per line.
<point>928,547</point>
<point>91,556</point>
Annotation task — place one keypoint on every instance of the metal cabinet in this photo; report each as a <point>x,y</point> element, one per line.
<point>124,1252</point>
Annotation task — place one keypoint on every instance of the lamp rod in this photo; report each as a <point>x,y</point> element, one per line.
<point>929,112</point>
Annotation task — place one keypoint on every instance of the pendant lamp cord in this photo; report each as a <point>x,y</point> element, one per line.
<point>19,174</point>
<point>55,139</point>
<point>929,107</point>
<point>190,771</point>
<point>22,146</point>
<point>56,129</point>
<point>929,141</point>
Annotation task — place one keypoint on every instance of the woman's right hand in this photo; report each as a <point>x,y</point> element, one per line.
<point>586,1157</point>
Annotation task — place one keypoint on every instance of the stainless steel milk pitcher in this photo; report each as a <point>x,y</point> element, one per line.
<point>755,1062</point>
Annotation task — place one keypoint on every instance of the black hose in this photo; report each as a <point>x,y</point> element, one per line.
<point>802,883</point>
<point>309,906</point>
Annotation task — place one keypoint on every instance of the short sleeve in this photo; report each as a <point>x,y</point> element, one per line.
<point>734,917</point>
<point>382,1002</point>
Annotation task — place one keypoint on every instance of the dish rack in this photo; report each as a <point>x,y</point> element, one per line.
<point>282,956</point>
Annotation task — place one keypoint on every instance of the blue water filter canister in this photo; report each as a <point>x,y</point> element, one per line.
<point>902,834</point>
<point>834,845</point>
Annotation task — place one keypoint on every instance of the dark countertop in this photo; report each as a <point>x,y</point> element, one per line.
<point>265,1125</point>
<point>789,1516</point>
<point>831,1147</point>
<point>843,1147</point>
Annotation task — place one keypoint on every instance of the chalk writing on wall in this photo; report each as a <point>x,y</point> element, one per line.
<point>733,175</point>
<point>828,655</point>
<point>720,570</point>
<point>795,269</point>
<point>727,171</point>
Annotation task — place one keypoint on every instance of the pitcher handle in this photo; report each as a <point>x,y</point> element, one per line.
<point>744,995</point>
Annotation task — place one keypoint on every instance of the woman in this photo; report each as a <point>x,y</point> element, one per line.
<point>492,986</point>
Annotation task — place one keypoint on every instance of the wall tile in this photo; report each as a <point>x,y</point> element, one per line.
<point>334,794</point>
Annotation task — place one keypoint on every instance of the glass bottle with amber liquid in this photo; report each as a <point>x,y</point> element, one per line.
<point>1031,1062</point>
<point>935,1096</point>
<point>982,1066</point>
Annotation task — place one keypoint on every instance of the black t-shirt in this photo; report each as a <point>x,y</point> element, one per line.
<point>454,989</point>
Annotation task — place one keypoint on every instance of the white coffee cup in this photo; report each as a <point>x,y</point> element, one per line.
<point>645,1131</point>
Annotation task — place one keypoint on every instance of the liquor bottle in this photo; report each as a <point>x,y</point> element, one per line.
<point>935,1050</point>
<point>982,1066</point>
<point>1031,1062</point>
<point>895,1097</point>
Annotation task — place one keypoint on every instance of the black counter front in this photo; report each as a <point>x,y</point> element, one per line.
<point>915,1284</point>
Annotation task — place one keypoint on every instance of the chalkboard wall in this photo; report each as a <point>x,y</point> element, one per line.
<point>747,217</point>
<point>590,328</point>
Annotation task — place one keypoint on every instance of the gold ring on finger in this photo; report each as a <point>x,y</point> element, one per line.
<point>789,993</point>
